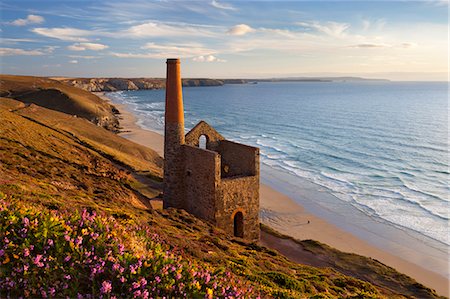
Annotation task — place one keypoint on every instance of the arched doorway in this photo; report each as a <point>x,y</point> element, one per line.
<point>238,225</point>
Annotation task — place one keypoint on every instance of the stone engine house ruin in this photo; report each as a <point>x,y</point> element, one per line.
<point>218,180</point>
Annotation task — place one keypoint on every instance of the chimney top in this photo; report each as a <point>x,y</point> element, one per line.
<point>173,60</point>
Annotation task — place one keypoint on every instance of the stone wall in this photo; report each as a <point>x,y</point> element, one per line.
<point>239,195</point>
<point>237,159</point>
<point>202,128</point>
<point>202,174</point>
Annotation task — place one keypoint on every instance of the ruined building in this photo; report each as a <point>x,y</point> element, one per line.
<point>218,182</point>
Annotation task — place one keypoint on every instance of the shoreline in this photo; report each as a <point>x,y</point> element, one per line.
<point>285,215</point>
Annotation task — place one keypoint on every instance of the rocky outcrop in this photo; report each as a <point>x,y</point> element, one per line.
<point>115,84</point>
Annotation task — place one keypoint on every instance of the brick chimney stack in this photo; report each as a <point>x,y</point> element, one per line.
<point>173,137</point>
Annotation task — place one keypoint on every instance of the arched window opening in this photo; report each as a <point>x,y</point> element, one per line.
<point>202,142</point>
<point>239,225</point>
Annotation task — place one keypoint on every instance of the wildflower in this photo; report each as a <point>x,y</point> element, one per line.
<point>209,293</point>
<point>137,293</point>
<point>67,258</point>
<point>145,294</point>
<point>37,261</point>
<point>68,277</point>
<point>2,252</point>
<point>26,221</point>
<point>26,252</point>
<point>52,291</point>
<point>106,287</point>
<point>143,282</point>
<point>78,240</point>
<point>122,279</point>
<point>50,242</point>
<point>158,279</point>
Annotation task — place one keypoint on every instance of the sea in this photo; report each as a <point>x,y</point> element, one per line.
<point>369,156</point>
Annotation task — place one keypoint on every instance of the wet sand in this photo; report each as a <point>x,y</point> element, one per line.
<point>286,216</point>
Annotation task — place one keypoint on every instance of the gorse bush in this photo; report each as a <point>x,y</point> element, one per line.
<point>80,254</point>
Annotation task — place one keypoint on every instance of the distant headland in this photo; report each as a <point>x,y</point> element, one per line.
<point>116,84</point>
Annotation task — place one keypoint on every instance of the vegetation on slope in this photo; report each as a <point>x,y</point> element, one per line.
<point>60,97</point>
<point>62,184</point>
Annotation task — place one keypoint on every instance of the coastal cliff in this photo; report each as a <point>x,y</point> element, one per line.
<point>115,84</point>
<point>61,97</point>
<point>82,201</point>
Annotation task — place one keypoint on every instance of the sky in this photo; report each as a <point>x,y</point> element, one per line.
<point>397,40</point>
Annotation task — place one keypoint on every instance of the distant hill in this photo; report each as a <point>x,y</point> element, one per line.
<point>61,97</point>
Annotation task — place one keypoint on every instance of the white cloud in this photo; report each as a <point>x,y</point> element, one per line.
<point>66,33</point>
<point>83,56</point>
<point>333,29</point>
<point>87,46</point>
<point>20,52</point>
<point>73,61</point>
<point>207,58</point>
<point>240,29</point>
<point>216,4</point>
<point>151,29</point>
<point>168,50</point>
<point>370,45</point>
<point>31,19</point>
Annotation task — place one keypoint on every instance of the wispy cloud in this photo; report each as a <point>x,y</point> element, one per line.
<point>73,61</point>
<point>368,46</point>
<point>18,40</point>
<point>83,56</point>
<point>87,46</point>
<point>333,29</point>
<point>65,33</point>
<point>240,29</point>
<point>216,4</point>
<point>151,29</point>
<point>166,50</point>
<point>20,52</point>
<point>207,58</point>
<point>30,19</point>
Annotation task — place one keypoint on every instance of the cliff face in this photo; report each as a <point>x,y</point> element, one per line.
<point>60,97</point>
<point>115,84</point>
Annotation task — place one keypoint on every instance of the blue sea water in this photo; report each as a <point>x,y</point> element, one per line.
<point>380,148</point>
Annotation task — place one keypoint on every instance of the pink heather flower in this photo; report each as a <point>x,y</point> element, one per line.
<point>115,266</point>
<point>122,279</point>
<point>52,291</point>
<point>145,294</point>
<point>106,287</point>
<point>2,252</point>
<point>25,268</point>
<point>178,276</point>
<point>143,282</point>
<point>43,294</point>
<point>67,238</point>
<point>68,277</point>
<point>31,247</point>
<point>78,240</point>
<point>26,252</point>
<point>121,248</point>
<point>50,242</point>
<point>158,280</point>
<point>135,285</point>
<point>37,260</point>
<point>26,221</point>
<point>67,258</point>
<point>137,293</point>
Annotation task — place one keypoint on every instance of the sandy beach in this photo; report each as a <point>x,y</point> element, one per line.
<point>286,216</point>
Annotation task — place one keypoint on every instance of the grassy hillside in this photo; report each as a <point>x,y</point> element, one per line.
<point>60,97</point>
<point>75,219</point>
